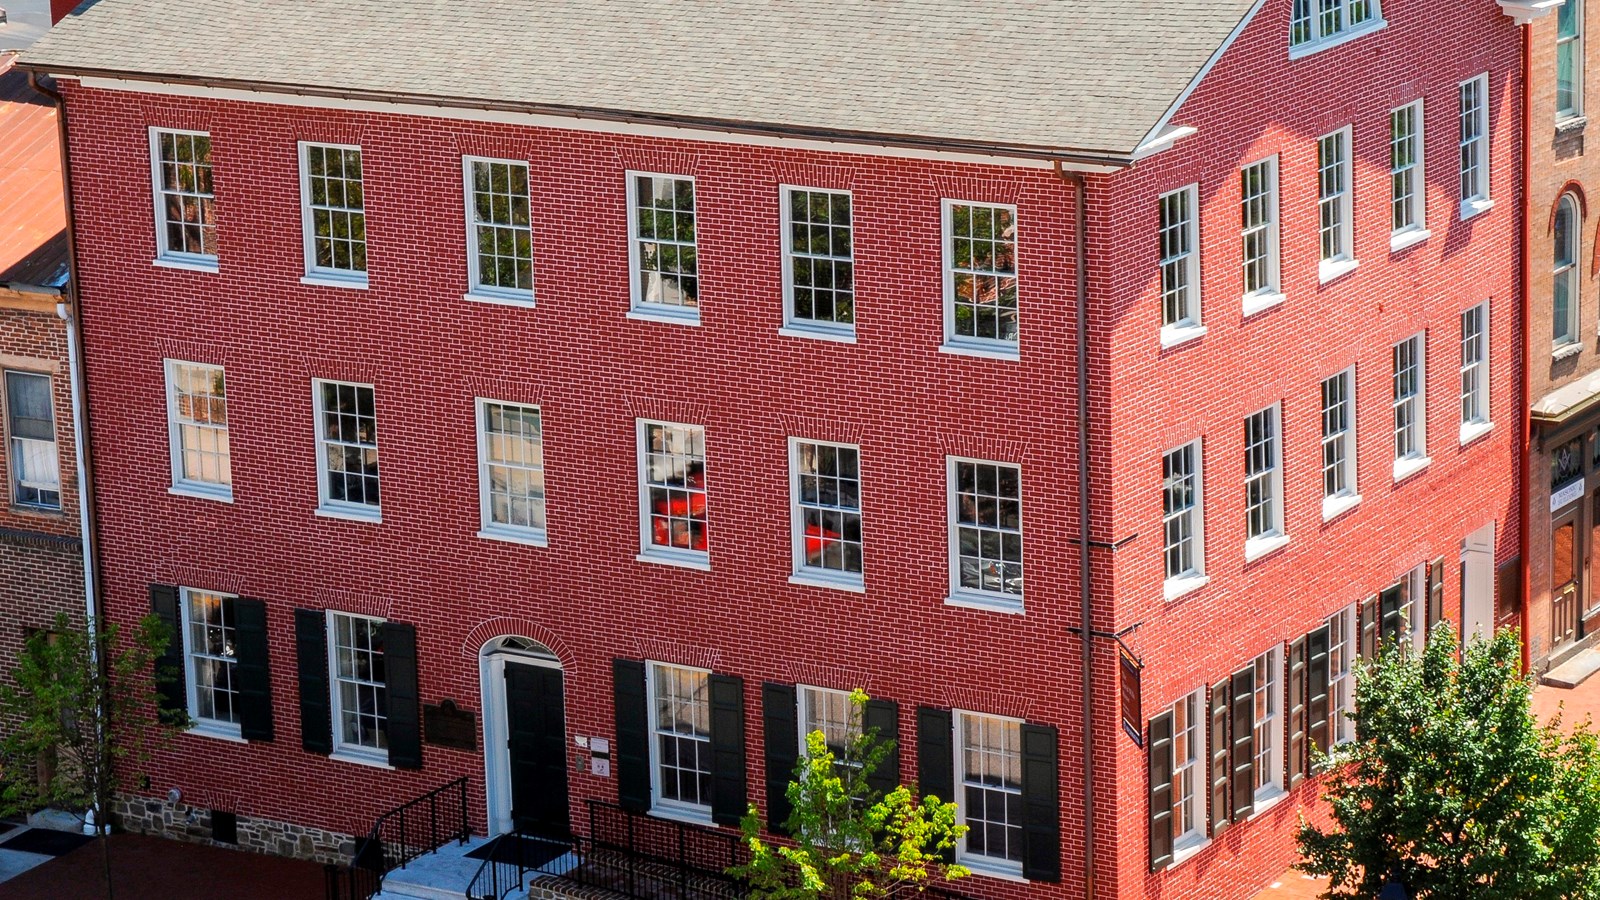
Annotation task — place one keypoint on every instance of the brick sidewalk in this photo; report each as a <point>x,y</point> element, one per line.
<point>151,868</point>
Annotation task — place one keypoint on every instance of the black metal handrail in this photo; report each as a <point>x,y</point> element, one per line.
<point>640,855</point>
<point>498,876</point>
<point>350,882</point>
<point>415,828</point>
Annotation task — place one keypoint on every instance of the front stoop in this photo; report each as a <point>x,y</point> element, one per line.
<point>1574,670</point>
<point>441,875</point>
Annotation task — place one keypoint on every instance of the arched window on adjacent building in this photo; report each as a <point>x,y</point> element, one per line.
<point>1569,60</point>
<point>1564,289</point>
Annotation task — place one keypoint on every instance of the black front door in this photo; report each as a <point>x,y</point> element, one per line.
<point>538,750</point>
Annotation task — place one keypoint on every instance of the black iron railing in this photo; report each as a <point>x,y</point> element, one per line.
<point>512,856</point>
<point>402,834</point>
<point>645,856</point>
<point>350,882</point>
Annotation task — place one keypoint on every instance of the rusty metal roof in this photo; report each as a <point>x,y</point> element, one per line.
<point>33,213</point>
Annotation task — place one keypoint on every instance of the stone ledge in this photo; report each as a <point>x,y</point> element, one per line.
<point>183,822</point>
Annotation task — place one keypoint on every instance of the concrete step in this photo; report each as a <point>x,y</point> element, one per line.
<point>1575,670</point>
<point>441,875</point>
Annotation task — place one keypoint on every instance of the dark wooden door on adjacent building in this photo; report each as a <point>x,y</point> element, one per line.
<point>538,750</point>
<point>1565,566</point>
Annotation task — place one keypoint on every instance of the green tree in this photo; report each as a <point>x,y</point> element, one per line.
<point>1454,789</point>
<point>848,839</point>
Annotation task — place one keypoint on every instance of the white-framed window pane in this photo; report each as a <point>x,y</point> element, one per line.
<point>664,241</point>
<point>31,433</point>
<point>675,485</point>
<point>991,786</point>
<point>1407,398</point>
<point>1341,674</point>
<point>1261,466</point>
<point>1333,187</point>
<point>1405,167</point>
<point>361,694</point>
<point>1300,29</point>
<point>1266,699</point>
<point>210,642</point>
<point>1474,139</point>
<point>335,209</point>
<point>1180,503</point>
<point>1314,21</point>
<point>1569,59</point>
<point>511,446</point>
<point>185,201</point>
<point>198,400</point>
<point>1475,364</point>
<point>828,506</point>
<point>988,526</point>
<point>1258,206</point>
<point>821,257</point>
<point>1338,462</point>
<point>831,713</point>
<point>982,273</point>
<point>1189,788</point>
<point>1564,297</point>
<point>348,433</point>
<point>1179,259</point>
<point>681,726</point>
<point>499,210</point>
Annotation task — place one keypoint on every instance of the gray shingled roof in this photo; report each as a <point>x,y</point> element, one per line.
<point>1058,75</point>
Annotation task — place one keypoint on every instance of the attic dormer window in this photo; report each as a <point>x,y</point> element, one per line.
<point>1317,23</point>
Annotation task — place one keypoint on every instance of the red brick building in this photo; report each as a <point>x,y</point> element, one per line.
<point>707,392</point>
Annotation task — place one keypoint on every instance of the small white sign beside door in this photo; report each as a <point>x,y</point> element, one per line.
<point>1568,493</point>
<point>601,767</point>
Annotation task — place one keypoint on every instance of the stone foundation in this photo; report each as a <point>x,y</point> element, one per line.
<point>149,815</point>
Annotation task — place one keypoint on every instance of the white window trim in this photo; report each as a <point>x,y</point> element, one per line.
<point>1192,326</point>
<point>802,573</point>
<point>803,710</point>
<point>677,810</point>
<point>180,485</point>
<point>1482,423</point>
<point>228,731</point>
<point>1199,837</point>
<point>1276,536</point>
<point>341,509</point>
<point>1418,231</point>
<point>1482,201</point>
<point>1176,586</point>
<point>1341,730</point>
<point>1319,42</point>
<point>14,482</point>
<point>1338,504</point>
<point>1267,795</point>
<point>657,312</point>
<point>1346,262</point>
<point>475,290</point>
<point>975,598</point>
<point>315,274</point>
<point>1271,295</point>
<point>989,348</point>
<point>843,332</point>
<point>165,257</point>
<point>1418,460</point>
<point>1579,38</point>
<point>681,557</point>
<point>1574,343</point>
<point>356,753</point>
<point>980,865</point>
<point>487,527</point>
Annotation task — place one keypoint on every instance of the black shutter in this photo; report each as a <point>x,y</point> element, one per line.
<point>251,672</point>
<point>405,698</point>
<point>1391,623</point>
<point>633,734</point>
<point>1221,800</point>
<point>728,779</point>
<point>1368,628</point>
<point>1295,765</point>
<point>1244,743</point>
<point>1041,804</point>
<point>1160,749</point>
<point>172,694</point>
<point>311,651</point>
<point>883,716</point>
<point>1319,732</point>
<point>1435,593</point>
<point>936,762</point>
<point>782,735</point>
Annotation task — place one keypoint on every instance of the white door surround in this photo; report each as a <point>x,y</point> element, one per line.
<point>492,661</point>
<point>1477,584</point>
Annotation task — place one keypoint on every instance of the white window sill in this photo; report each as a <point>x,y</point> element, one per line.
<point>1335,269</point>
<point>1305,50</point>
<point>1266,798</point>
<point>1409,466</point>
<point>374,759</point>
<point>819,332</point>
<point>350,514</point>
<point>1176,335</point>
<point>1003,869</point>
<point>524,300</point>
<point>1471,431</point>
<point>1470,208</point>
<point>188,264</point>
<point>1572,124</point>
<point>834,580</point>
<point>1411,237</point>
<point>671,315</point>
<point>527,538</point>
<point>1185,848</point>
<point>1008,604</point>
<point>326,279</point>
<point>217,731</point>
<point>1261,301</point>
<point>683,559</point>
<point>219,493</point>
<point>1336,506</point>
<point>1257,547</point>
<point>984,350</point>
<point>1566,350</point>
<point>693,815</point>
<point>1173,588</point>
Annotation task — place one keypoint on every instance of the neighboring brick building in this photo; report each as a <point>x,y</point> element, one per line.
<point>803,473</point>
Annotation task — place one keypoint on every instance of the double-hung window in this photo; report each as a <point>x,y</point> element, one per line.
<point>360,686</point>
<point>826,515</point>
<point>499,230</point>
<point>31,436</point>
<point>511,471</point>
<point>672,493</point>
<point>680,739</point>
<point>1268,705</point>
<point>986,533</point>
<point>666,269</point>
<point>1407,184</point>
<point>1333,204</point>
<point>1180,265</point>
<point>1314,24</point>
<point>1410,418</point>
<point>347,452</point>
<point>1258,207</point>
<point>1474,371</point>
<point>1474,145</point>
<point>980,277</point>
<point>832,713</point>
<point>1189,778</point>
<point>1341,675</point>
<point>1338,443</point>
<point>333,214</point>
<point>1182,519</point>
<point>989,792</point>
<point>197,429</point>
<point>1564,290</point>
<point>210,655</point>
<point>185,204</point>
<point>1263,482</point>
<point>819,263</point>
<point>1569,60</point>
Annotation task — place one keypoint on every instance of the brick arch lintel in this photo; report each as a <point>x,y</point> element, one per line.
<point>508,626</point>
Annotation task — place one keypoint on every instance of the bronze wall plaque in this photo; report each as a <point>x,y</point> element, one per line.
<point>448,726</point>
